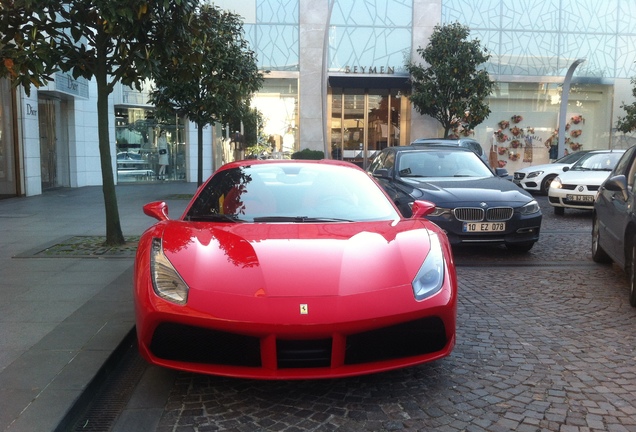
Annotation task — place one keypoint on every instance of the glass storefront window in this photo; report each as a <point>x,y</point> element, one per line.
<point>523,125</point>
<point>364,121</point>
<point>277,101</point>
<point>148,150</point>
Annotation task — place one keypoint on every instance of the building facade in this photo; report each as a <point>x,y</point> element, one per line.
<point>335,81</point>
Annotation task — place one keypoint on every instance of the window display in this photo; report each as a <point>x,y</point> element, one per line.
<point>148,150</point>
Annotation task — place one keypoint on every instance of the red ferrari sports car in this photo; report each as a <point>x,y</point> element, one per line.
<point>293,270</point>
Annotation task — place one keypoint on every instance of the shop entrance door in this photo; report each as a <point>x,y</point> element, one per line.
<point>8,146</point>
<point>48,143</point>
<point>54,149</point>
<point>364,121</point>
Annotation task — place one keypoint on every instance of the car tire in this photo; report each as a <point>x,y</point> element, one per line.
<point>632,274</point>
<point>598,254</point>
<point>559,211</point>
<point>519,247</point>
<point>545,184</point>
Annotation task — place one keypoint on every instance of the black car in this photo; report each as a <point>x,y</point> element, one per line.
<point>614,222</point>
<point>468,143</point>
<point>474,206</point>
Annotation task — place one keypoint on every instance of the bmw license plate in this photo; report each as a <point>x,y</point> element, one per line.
<point>484,226</point>
<point>580,198</point>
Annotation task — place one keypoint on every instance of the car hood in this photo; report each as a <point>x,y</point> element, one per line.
<point>470,191</point>
<point>287,260</point>
<point>551,167</point>
<point>584,177</point>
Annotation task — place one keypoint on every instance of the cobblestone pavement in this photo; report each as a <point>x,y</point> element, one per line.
<point>545,342</point>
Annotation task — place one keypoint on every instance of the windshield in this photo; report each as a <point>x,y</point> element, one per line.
<point>291,192</point>
<point>571,158</point>
<point>442,163</point>
<point>597,162</point>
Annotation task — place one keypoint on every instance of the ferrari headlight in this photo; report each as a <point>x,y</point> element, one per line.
<point>534,174</point>
<point>530,208</point>
<point>430,277</point>
<point>165,280</point>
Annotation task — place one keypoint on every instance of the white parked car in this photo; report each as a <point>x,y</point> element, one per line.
<point>537,178</point>
<point>576,188</point>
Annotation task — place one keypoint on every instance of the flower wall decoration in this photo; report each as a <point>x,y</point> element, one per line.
<point>516,118</point>
<point>516,131</point>
<point>577,119</point>
<point>500,136</point>
<point>576,133</point>
<point>502,151</point>
<point>502,163</point>
<point>515,143</point>
<point>513,156</point>
<point>504,124</point>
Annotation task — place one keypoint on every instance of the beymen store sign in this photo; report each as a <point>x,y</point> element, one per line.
<point>382,70</point>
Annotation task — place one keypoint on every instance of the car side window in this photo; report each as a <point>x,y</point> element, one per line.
<point>477,148</point>
<point>630,155</point>
<point>378,162</point>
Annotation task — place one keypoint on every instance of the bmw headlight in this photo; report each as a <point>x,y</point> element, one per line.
<point>440,211</point>
<point>530,208</point>
<point>534,174</point>
<point>430,277</point>
<point>165,280</point>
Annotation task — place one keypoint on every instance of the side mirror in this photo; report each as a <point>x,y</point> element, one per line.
<point>422,208</point>
<point>566,168</point>
<point>157,210</point>
<point>382,173</point>
<point>501,172</point>
<point>617,184</point>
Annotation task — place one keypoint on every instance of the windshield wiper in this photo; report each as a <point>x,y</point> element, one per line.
<point>213,217</point>
<point>298,219</point>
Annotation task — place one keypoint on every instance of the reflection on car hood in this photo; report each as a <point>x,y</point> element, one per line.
<point>584,177</point>
<point>470,191</point>
<point>283,260</point>
<point>556,168</point>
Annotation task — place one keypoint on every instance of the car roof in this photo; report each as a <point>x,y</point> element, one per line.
<point>441,141</point>
<point>608,151</point>
<point>451,148</point>
<point>249,162</point>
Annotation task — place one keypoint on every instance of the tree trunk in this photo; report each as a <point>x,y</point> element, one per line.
<point>114,234</point>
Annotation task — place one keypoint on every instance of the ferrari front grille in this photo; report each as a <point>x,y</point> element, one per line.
<point>190,344</point>
<point>303,353</point>
<point>183,343</point>
<point>411,338</point>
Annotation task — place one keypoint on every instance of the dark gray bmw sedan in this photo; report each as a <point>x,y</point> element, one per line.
<point>473,204</point>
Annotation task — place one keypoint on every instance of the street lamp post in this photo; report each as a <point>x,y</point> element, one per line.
<point>565,95</point>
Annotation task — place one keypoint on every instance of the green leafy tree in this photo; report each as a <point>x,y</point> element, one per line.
<point>627,123</point>
<point>110,41</point>
<point>451,88</point>
<point>211,77</point>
